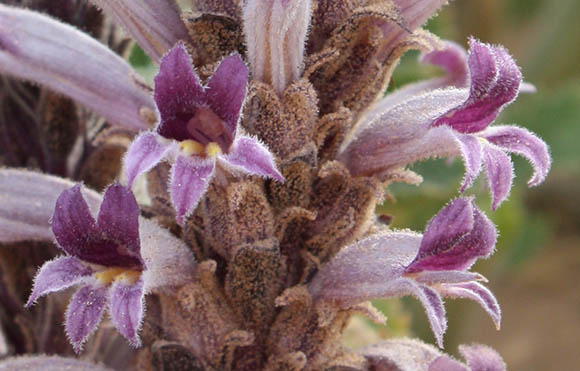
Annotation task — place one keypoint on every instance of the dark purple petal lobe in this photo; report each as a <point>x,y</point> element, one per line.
<point>252,157</point>
<point>145,152</point>
<point>126,308</point>
<point>500,173</point>
<point>84,314</point>
<point>482,358</point>
<point>495,82</point>
<point>178,93</point>
<point>72,223</point>
<point>478,293</point>
<point>472,157</point>
<point>190,178</point>
<point>453,59</point>
<point>523,142</point>
<point>227,89</point>
<point>57,275</point>
<point>118,221</point>
<point>442,234</point>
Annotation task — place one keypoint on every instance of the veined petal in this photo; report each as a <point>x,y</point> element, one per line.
<point>482,358</point>
<point>155,24</point>
<point>388,138</point>
<point>523,142</point>
<point>252,157</point>
<point>500,173</point>
<point>495,82</point>
<point>57,275</point>
<point>368,269</point>
<point>49,363</point>
<point>476,292</point>
<point>190,178</point>
<point>118,221</point>
<point>416,12</point>
<point>227,90</point>
<point>28,201</point>
<point>127,308</point>
<point>178,93</point>
<point>38,48</point>
<point>84,313</point>
<point>73,225</point>
<point>275,36</point>
<point>472,153</point>
<point>145,152</point>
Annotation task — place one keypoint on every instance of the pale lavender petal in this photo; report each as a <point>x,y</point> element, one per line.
<point>48,363</point>
<point>500,173</point>
<point>84,313</point>
<point>368,269</point>
<point>57,275</point>
<point>28,201</point>
<point>252,157</point>
<point>523,142</point>
<point>446,363</point>
<point>155,24</point>
<point>127,308</point>
<point>443,233</point>
<point>433,304</point>
<point>227,89</point>
<point>416,12</point>
<point>438,277</point>
<point>529,88</point>
<point>38,48</point>
<point>400,354</point>
<point>118,221</point>
<point>190,177</point>
<point>482,358</point>
<point>495,82</point>
<point>145,152</point>
<point>453,59</point>
<point>393,136</point>
<point>73,225</point>
<point>478,293</point>
<point>178,93</point>
<point>472,153</point>
<point>275,35</point>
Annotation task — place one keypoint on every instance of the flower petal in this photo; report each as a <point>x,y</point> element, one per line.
<point>57,275</point>
<point>84,313</point>
<point>453,59</point>
<point>500,173</point>
<point>73,224</point>
<point>28,201</point>
<point>433,305</point>
<point>252,157</point>
<point>495,82</point>
<point>156,25</point>
<point>478,293</point>
<point>523,142</point>
<point>190,178</point>
<point>446,363</point>
<point>482,358</point>
<point>472,154</point>
<point>178,93</point>
<point>400,354</point>
<point>127,308</point>
<point>145,152</point>
<point>227,90</point>
<point>439,277</point>
<point>38,48</point>
<point>366,270</point>
<point>443,233</point>
<point>118,221</point>
<point>49,363</point>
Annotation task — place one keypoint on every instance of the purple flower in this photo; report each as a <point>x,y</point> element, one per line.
<point>406,263</point>
<point>198,129</point>
<point>103,257</point>
<point>423,121</point>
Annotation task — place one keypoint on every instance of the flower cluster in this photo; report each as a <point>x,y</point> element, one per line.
<point>257,160</point>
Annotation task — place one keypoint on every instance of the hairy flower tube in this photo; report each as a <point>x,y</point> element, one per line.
<point>198,128</point>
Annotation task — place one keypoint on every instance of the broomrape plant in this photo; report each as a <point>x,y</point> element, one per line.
<point>237,230</point>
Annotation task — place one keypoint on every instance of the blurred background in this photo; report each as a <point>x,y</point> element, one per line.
<point>536,269</point>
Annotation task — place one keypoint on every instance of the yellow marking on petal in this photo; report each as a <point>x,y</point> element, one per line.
<point>213,149</point>
<point>483,140</point>
<point>191,147</point>
<point>110,275</point>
